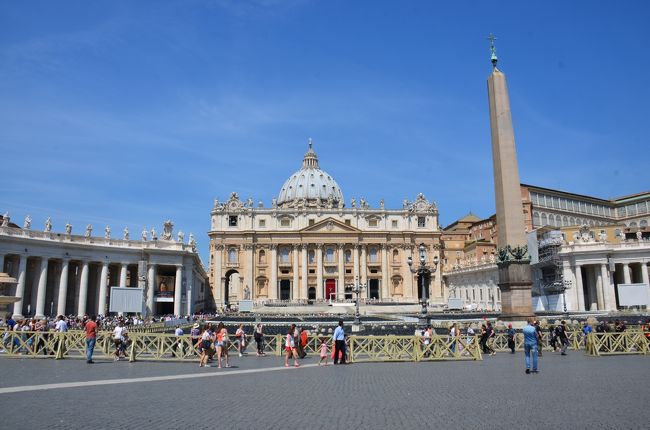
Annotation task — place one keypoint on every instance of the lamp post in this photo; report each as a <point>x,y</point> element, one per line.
<point>423,271</point>
<point>356,289</point>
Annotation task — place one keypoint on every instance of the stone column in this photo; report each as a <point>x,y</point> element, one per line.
<point>42,286</point>
<point>103,289</point>
<point>217,288</point>
<point>600,290</point>
<point>340,284</point>
<point>178,290</point>
<point>295,269</point>
<point>20,287</point>
<point>273,288</point>
<point>626,274</point>
<point>249,276</point>
<point>189,291</point>
<point>2,263</point>
<point>63,287</point>
<point>409,292</point>
<point>123,270</point>
<point>303,273</point>
<point>363,266</point>
<point>644,273</point>
<point>580,298</point>
<point>83,289</point>
<point>355,262</point>
<point>151,289</point>
<point>319,271</point>
<point>609,297</point>
<point>385,272</point>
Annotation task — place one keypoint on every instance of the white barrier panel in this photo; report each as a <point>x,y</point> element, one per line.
<point>127,300</point>
<point>633,295</point>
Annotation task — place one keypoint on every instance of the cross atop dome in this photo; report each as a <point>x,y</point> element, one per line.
<point>311,160</point>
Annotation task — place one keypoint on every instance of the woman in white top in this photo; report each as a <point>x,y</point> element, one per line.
<point>290,347</point>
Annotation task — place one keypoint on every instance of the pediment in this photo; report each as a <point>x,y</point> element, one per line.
<point>330,225</point>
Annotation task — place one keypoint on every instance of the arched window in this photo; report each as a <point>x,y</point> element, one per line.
<point>232,255</point>
<point>372,254</point>
<point>565,221</point>
<point>643,223</point>
<point>572,221</point>
<point>284,255</point>
<point>536,219</point>
<point>551,219</point>
<point>329,255</point>
<point>395,256</point>
<point>633,224</point>
<point>262,257</point>
<point>544,220</point>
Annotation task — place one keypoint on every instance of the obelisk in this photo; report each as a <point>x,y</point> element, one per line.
<point>513,259</point>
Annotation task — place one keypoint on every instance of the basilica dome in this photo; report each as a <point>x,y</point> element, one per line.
<point>310,186</point>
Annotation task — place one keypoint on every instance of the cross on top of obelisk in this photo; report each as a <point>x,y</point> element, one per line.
<point>493,50</point>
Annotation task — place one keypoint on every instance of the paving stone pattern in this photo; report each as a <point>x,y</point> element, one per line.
<point>570,392</point>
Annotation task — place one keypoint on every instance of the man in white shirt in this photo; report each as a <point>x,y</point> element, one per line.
<point>119,339</point>
<point>61,326</point>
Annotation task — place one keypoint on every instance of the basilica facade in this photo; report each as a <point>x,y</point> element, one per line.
<point>309,246</point>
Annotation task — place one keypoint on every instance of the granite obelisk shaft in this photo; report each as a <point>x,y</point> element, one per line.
<point>514,270</point>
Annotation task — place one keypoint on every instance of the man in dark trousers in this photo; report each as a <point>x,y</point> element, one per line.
<point>560,331</point>
<point>339,343</point>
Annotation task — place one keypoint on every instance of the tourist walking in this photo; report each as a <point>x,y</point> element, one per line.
<point>560,332</point>
<point>453,333</point>
<point>339,344</point>
<point>259,339</point>
<point>119,341</point>
<point>178,348</point>
<point>323,352</point>
<point>530,346</point>
<point>426,341</point>
<point>205,347</point>
<point>91,338</point>
<point>290,347</point>
<point>553,338</point>
<point>511,338</point>
<point>222,345</point>
<point>240,335</point>
<point>490,338</point>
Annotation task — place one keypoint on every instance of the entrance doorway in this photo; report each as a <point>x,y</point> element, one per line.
<point>311,293</point>
<point>231,284</point>
<point>373,289</point>
<point>330,289</point>
<point>285,289</point>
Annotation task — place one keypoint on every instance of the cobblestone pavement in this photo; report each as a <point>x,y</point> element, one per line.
<point>570,392</point>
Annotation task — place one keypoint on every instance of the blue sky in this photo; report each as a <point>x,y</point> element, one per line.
<point>129,113</point>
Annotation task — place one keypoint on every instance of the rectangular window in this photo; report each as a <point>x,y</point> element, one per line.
<point>232,220</point>
<point>347,222</point>
<point>394,223</point>
<point>285,222</point>
<point>262,223</point>
<point>372,223</point>
<point>422,221</point>
<point>311,222</point>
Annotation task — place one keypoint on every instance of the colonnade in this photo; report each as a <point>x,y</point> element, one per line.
<point>50,278</point>
<point>595,284</point>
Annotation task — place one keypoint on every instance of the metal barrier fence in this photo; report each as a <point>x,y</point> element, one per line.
<point>634,342</point>
<point>168,347</point>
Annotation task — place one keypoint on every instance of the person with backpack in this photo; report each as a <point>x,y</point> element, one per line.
<point>560,332</point>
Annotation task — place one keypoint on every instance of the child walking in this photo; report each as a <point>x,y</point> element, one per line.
<point>323,352</point>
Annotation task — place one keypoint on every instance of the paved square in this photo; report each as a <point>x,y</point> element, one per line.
<point>570,392</point>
